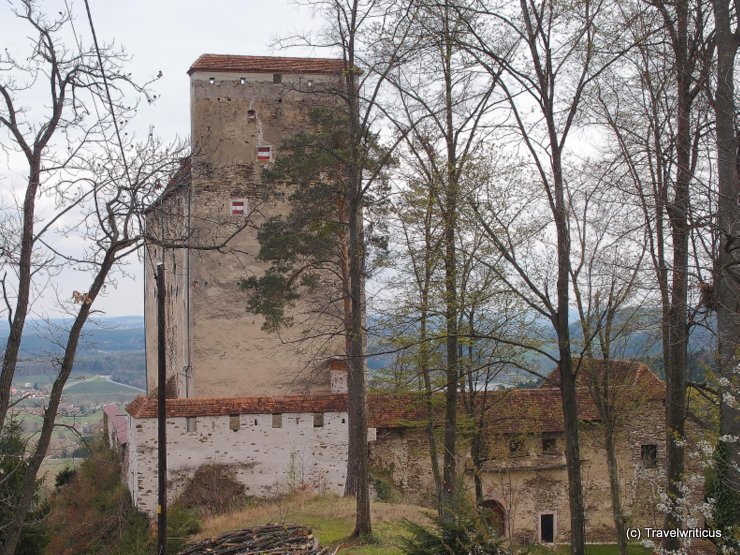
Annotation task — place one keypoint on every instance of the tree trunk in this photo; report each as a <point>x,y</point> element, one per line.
<point>13,344</point>
<point>615,489</point>
<point>14,529</point>
<point>676,367</point>
<point>567,377</point>
<point>449,213</point>
<point>726,271</point>
<point>357,410</point>
<point>429,400</point>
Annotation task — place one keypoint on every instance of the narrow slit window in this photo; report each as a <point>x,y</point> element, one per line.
<point>234,423</point>
<point>237,207</point>
<point>192,424</point>
<point>277,420</point>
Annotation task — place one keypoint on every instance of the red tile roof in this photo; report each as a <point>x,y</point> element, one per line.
<point>624,376</point>
<point>146,407</point>
<point>506,410</point>
<point>266,64</point>
<point>119,421</point>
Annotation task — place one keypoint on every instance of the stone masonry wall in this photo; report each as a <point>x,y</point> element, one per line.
<point>267,460</point>
<point>231,354</point>
<point>532,483</point>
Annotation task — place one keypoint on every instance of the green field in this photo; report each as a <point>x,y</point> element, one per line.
<point>98,390</point>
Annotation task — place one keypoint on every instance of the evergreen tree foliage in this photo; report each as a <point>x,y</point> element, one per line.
<point>726,515</point>
<point>305,245</point>
<point>461,530</point>
<point>13,465</point>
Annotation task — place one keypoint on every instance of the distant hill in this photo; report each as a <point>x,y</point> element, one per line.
<point>112,346</point>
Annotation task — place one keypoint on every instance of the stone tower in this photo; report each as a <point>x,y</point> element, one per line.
<point>242,108</point>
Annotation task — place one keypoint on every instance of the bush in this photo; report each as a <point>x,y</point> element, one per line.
<point>94,513</point>
<point>385,490</point>
<point>461,530</point>
<point>181,523</point>
<point>726,501</point>
<point>213,489</point>
<point>13,466</point>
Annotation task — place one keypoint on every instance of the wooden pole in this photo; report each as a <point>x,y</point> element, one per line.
<point>161,416</point>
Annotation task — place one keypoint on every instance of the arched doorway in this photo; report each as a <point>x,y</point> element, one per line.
<point>495,515</point>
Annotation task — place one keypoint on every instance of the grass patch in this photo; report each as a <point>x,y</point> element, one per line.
<point>331,518</point>
<point>591,549</point>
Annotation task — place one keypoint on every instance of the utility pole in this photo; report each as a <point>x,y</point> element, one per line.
<point>161,416</point>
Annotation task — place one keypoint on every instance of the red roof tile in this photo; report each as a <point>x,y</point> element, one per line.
<point>266,64</point>
<point>146,407</point>
<point>119,421</point>
<point>506,410</point>
<point>624,376</point>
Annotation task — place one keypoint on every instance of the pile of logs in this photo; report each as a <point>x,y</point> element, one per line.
<point>271,539</point>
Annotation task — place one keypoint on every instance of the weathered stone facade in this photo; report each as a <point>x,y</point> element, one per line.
<point>203,229</point>
<point>242,108</point>
<point>524,472</point>
<point>272,447</point>
<point>277,415</point>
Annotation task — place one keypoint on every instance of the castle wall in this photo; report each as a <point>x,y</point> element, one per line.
<point>266,459</point>
<point>168,223</point>
<point>531,482</point>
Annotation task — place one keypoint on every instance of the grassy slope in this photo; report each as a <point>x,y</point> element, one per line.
<point>330,517</point>
<point>332,520</point>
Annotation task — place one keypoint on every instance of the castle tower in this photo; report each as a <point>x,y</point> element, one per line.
<point>242,109</point>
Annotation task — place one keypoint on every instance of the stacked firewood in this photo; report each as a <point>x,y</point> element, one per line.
<point>276,539</point>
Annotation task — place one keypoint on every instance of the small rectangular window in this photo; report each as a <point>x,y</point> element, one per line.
<point>264,153</point>
<point>649,455</point>
<point>277,420</point>
<point>192,424</point>
<point>277,78</point>
<point>318,419</point>
<point>251,115</point>
<point>516,445</point>
<point>237,207</point>
<point>549,444</point>
<point>234,422</point>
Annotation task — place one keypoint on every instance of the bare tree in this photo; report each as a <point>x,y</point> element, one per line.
<point>726,286</point>
<point>659,131</point>
<point>609,247</point>
<point>557,52</point>
<point>444,103</point>
<point>77,155</point>
<point>354,27</point>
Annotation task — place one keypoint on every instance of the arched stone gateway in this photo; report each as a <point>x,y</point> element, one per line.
<point>496,515</point>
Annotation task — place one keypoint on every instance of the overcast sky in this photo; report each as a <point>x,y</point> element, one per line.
<point>166,36</point>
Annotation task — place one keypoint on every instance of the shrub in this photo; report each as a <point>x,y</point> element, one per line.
<point>94,513</point>
<point>461,530</point>
<point>213,489</point>
<point>181,523</point>
<point>13,466</point>
<point>385,489</point>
